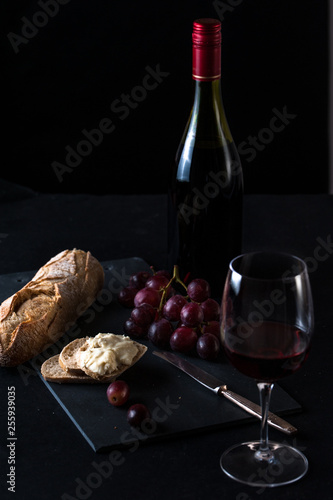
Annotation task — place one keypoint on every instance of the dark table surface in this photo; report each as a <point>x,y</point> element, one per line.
<point>52,460</point>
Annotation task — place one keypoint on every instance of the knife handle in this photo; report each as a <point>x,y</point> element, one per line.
<point>254,409</point>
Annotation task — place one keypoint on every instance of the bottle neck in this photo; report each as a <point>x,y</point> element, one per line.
<point>208,100</point>
<point>208,116</point>
<point>207,90</point>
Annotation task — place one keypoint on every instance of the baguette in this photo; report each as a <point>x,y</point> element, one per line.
<point>41,312</point>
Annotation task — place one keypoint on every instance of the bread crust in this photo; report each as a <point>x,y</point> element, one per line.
<point>52,372</point>
<point>68,359</point>
<point>41,312</point>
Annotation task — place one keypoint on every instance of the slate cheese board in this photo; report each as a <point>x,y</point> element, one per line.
<point>177,403</point>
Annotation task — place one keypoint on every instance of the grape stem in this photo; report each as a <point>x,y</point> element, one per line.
<point>175,279</point>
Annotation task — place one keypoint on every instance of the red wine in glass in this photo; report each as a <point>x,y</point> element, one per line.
<point>273,350</point>
<point>266,329</point>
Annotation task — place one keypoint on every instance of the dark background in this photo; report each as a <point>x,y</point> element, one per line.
<point>75,61</point>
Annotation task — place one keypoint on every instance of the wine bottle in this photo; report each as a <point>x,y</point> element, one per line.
<point>206,186</point>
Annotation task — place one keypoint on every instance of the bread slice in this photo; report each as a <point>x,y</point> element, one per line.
<point>52,372</point>
<point>69,356</point>
<point>121,368</point>
<point>67,367</point>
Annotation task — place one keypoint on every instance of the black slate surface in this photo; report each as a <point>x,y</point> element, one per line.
<point>178,404</point>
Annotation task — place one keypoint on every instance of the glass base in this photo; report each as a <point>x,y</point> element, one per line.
<point>283,464</point>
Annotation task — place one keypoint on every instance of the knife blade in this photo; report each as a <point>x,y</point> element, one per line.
<point>215,385</point>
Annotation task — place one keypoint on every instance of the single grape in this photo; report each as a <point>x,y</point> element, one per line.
<point>157,282</point>
<point>198,290</point>
<point>143,315</point>
<point>164,273</point>
<point>147,296</point>
<point>208,346</point>
<point>212,327</point>
<point>138,280</point>
<point>183,339</point>
<point>134,330</point>
<point>211,310</point>
<point>118,392</point>
<point>159,333</point>
<point>191,314</point>
<point>137,414</point>
<point>173,306</point>
<point>126,296</point>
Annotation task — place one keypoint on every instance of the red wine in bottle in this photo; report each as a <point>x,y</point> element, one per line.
<point>206,186</point>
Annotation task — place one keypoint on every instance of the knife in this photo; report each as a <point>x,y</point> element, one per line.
<point>215,385</point>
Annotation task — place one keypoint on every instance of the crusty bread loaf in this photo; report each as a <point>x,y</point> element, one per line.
<point>52,372</point>
<point>40,313</point>
<point>67,368</point>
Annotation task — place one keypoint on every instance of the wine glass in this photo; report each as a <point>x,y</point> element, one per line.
<point>267,324</point>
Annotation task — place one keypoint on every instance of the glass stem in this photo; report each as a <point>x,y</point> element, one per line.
<point>264,453</point>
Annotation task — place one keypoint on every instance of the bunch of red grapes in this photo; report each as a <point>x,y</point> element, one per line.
<point>186,322</point>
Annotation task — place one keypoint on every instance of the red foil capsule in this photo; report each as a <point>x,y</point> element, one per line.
<point>206,49</point>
